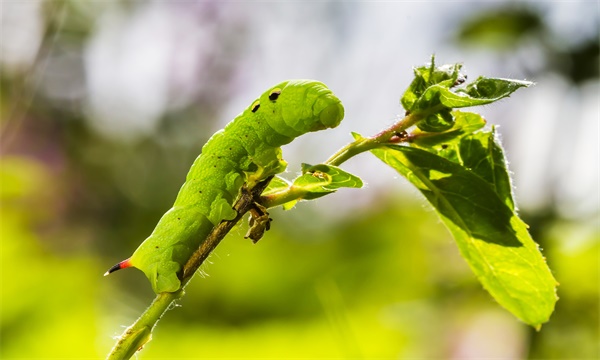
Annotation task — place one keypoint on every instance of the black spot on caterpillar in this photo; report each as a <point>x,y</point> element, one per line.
<point>274,95</point>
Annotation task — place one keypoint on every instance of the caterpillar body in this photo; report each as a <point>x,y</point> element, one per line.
<point>246,151</point>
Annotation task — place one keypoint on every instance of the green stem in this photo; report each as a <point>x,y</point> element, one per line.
<point>140,332</point>
<point>365,144</point>
<point>281,197</point>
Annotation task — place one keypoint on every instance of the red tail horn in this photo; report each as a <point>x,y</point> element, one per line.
<point>122,265</point>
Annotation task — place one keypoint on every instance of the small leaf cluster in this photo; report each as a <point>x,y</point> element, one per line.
<point>436,91</point>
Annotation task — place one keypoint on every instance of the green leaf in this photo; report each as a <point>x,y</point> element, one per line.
<point>316,181</point>
<point>490,236</point>
<point>357,136</point>
<point>481,92</point>
<point>492,89</point>
<point>482,154</point>
<point>479,152</point>
<point>464,123</point>
<point>426,76</point>
<point>437,122</point>
<point>320,180</point>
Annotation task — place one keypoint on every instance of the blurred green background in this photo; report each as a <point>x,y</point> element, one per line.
<point>105,104</point>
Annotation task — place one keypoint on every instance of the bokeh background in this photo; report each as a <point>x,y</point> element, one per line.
<point>105,104</point>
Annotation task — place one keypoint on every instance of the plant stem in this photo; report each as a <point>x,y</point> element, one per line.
<point>140,332</point>
<point>365,144</point>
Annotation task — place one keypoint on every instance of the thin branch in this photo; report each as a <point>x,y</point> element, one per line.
<point>381,139</point>
<point>242,206</point>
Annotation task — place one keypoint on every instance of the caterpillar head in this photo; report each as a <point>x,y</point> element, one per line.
<point>295,107</point>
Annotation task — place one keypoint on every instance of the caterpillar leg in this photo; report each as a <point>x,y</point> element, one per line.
<point>259,222</point>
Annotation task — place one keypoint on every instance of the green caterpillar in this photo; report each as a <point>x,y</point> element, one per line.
<point>247,151</point>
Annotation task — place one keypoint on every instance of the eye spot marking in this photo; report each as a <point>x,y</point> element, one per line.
<point>444,146</point>
<point>274,94</point>
<point>178,218</point>
<point>255,106</point>
<point>156,247</point>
